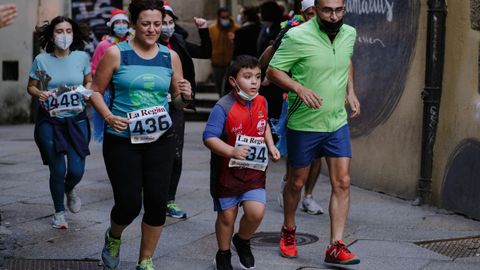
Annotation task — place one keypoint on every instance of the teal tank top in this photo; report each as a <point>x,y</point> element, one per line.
<point>139,83</point>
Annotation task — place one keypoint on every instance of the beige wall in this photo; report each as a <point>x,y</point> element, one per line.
<point>17,45</point>
<point>460,105</point>
<point>388,159</point>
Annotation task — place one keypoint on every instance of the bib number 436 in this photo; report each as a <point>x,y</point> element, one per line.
<point>147,125</point>
<point>151,125</point>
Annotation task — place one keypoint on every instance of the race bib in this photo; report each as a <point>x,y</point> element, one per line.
<point>67,104</point>
<point>257,157</point>
<point>147,125</point>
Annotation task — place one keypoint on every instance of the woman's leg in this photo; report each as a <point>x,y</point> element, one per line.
<point>157,165</point>
<point>124,167</point>
<point>75,163</point>
<point>56,164</point>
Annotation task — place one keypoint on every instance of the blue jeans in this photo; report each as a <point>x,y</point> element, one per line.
<point>64,176</point>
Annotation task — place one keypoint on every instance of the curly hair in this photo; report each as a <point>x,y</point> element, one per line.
<point>137,6</point>
<point>81,34</point>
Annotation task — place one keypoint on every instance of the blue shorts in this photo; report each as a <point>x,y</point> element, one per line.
<point>222,204</point>
<point>304,146</point>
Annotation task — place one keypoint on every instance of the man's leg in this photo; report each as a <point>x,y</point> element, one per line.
<point>309,205</point>
<point>313,176</point>
<point>292,194</point>
<point>339,169</point>
<point>337,252</point>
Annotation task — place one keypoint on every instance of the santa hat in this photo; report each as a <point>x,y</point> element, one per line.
<point>307,4</point>
<point>117,14</point>
<point>169,10</point>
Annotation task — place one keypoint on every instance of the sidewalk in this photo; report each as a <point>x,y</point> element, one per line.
<point>383,229</point>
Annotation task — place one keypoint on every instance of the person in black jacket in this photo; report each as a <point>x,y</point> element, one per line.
<point>246,37</point>
<point>173,37</point>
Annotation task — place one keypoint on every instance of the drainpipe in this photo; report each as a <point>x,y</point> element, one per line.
<point>437,13</point>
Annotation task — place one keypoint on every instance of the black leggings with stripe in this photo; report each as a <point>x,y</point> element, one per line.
<point>136,172</point>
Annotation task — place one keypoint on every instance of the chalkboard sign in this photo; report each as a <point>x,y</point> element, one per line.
<point>386,40</point>
<point>94,13</point>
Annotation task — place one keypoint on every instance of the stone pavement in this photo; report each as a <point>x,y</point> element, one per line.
<point>383,229</point>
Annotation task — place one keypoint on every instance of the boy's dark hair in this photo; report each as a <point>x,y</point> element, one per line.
<point>81,34</point>
<point>242,61</point>
<point>137,6</point>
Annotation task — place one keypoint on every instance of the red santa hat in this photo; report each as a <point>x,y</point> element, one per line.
<point>117,14</point>
<point>169,10</point>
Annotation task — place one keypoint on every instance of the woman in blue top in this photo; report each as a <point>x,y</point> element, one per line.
<point>138,147</point>
<point>62,125</point>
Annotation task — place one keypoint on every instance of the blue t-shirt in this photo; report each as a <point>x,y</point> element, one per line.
<point>69,70</point>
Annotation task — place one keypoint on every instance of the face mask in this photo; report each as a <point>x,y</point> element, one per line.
<point>244,95</point>
<point>225,23</point>
<point>329,27</point>
<point>167,31</point>
<point>63,41</point>
<point>120,30</point>
<point>239,18</point>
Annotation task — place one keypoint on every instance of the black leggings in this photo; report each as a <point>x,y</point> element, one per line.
<point>137,170</point>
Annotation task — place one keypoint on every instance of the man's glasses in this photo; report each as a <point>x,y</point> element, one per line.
<point>330,11</point>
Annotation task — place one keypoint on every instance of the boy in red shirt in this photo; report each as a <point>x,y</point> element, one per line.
<point>238,134</point>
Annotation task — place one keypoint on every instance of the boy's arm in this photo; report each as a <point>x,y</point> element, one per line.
<point>213,132</point>
<point>271,146</point>
<point>220,148</point>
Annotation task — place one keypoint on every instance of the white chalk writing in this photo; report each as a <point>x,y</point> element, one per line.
<point>360,7</point>
<point>365,39</point>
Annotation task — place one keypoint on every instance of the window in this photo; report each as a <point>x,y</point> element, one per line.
<point>10,70</point>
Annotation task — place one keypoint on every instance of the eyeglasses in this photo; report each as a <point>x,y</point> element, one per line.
<point>330,11</point>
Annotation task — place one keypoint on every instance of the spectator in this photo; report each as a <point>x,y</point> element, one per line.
<point>246,37</point>
<point>222,34</point>
<point>186,51</point>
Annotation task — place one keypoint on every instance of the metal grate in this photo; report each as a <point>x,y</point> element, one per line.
<point>31,264</point>
<point>454,248</point>
<point>271,239</point>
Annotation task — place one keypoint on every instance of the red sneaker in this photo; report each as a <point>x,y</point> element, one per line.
<point>288,244</point>
<point>338,253</point>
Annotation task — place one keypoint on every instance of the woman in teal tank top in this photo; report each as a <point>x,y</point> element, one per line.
<point>138,146</point>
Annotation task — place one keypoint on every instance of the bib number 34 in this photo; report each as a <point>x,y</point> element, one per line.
<point>257,157</point>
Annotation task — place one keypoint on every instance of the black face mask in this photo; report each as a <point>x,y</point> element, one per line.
<point>329,27</point>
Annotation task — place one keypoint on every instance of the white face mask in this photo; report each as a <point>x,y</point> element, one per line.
<point>242,94</point>
<point>63,41</point>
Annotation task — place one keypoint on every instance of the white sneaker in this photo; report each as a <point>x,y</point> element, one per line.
<point>58,221</point>
<point>280,194</point>
<point>310,206</point>
<point>73,201</point>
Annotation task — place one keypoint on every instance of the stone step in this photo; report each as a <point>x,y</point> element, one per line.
<point>206,87</point>
<point>201,115</point>
<point>206,100</point>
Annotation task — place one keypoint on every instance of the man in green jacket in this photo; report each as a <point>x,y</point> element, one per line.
<point>318,55</point>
